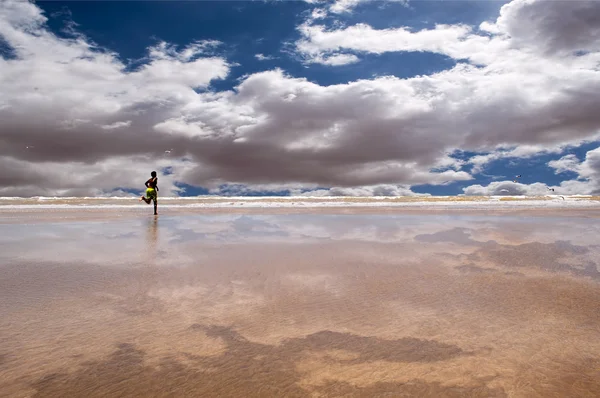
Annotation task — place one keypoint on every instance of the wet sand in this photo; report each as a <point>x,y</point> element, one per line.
<point>310,303</point>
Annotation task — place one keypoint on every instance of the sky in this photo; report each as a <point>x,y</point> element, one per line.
<point>314,97</point>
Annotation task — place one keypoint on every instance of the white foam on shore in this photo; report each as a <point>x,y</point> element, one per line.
<point>424,198</point>
<point>455,202</point>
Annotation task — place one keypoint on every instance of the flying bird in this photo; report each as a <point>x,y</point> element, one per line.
<point>169,151</point>
<point>550,189</point>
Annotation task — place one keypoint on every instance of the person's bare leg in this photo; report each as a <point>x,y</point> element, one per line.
<point>155,206</point>
<point>145,200</point>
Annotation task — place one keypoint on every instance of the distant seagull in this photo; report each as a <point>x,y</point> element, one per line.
<point>550,189</point>
<point>169,151</point>
<point>29,147</point>
<point>519,176</point>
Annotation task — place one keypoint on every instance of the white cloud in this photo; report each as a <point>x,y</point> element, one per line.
<point>166,51</point>
<point>233,189</point>
<point>374,190</point>
<point>312,190</point>
<point>587,182</point>
<point>318,13</point>
<point>524,31</point>
<point>588,179</point>
<point>455,41</point>
<point>116,125</point>
<point>346,6</point>
<point>335,59</point>
<point>498,188</point>
<point>104,178</point>
<point>262,57</point>
<point>521,152</point>
<point>342,6</point>
<point>590,167</point>
<point>67,96</point>
<point>560,29</point>
<point>565,164</point>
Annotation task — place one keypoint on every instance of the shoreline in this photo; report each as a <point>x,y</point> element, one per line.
<point>442,202</point>
<point>83,213</point>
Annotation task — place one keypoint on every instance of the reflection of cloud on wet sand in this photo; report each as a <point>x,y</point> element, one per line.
<point>355,306</point>
<point>554,256</point>
<point>95,240</point>
<point>372,228</point>
<point>543,230</point>
<point>213,300</point>
<point>456,235</point>
<point>560,256</point>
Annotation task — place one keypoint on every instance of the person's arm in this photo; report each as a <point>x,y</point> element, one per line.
<point>156,183</point>
<point>147,182</point>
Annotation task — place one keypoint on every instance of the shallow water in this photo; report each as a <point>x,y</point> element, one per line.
<point>263,305</point>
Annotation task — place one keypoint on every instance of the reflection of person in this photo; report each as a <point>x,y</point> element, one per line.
<point>152,240</point>
<point>151,191</point>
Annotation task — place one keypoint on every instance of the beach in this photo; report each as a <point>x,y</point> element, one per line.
<point>295,297</point>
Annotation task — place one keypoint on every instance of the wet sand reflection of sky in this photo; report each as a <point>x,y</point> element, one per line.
<point>302,304</point>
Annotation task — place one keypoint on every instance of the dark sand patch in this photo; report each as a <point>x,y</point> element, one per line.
<point>245,368</point>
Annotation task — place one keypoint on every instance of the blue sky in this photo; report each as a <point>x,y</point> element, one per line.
<point>345,97</point>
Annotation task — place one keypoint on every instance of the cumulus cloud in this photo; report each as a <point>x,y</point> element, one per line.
<point>517,97</point>
<point>565,164</point>
<point>109,177</point>
<point>446,39</point>
<point>374,190</point>
<point>588,170</point>
<point>586,183</point>
<point>85,112</point>
<point>498,188</point>
<point>564,28</point>
<point>590,167</point>
<point>520,152</point>
<point>312,190</point>
<point>79,110</point>
<point>272,129</point>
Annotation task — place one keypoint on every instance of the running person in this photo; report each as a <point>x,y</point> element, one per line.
<point>151,191</point>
